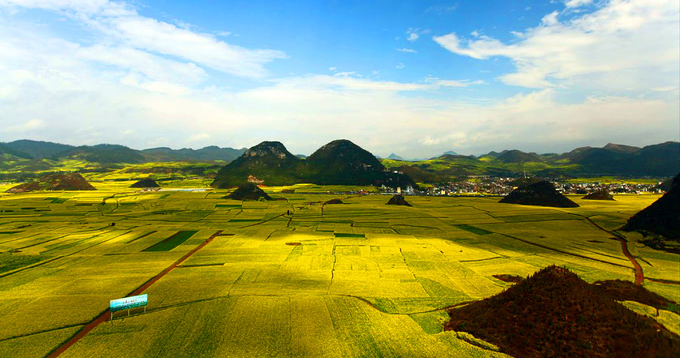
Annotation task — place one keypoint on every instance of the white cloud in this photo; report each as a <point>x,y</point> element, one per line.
<point>198,137</point>
<point>88,93</point>
<point>577,3</point>
<point>413,34</point>
<point>400,66</point>
<point>118,22</point>
<point>457,83</point>
<point>332,68</point>
<point>407,50</point>
<point>29,126</point>
<point>623,45</point>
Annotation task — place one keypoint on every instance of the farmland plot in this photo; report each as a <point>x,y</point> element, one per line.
<point>286,277</point>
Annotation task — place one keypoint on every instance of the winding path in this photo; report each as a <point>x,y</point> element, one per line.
<point>637,266</point>
<point>105,315</point>
<point>625,250</point>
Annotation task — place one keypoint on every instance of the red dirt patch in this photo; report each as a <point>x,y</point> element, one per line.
<point>554,313</point>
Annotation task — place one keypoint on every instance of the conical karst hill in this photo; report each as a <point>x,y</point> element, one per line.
<point>339,162</point>
<point>602,194</point>
<point>145,183</point>
<point>541,193</point>
<point>269,163</point>
<point>342,162</point>
<point>398,200</point>
<point>248,191</point>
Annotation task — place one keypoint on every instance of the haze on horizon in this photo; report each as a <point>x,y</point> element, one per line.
<point>408,77</point>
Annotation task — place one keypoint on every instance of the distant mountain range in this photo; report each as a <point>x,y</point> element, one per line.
<point>341,161</point>
<point>659,160</point>
<point>112,153</point>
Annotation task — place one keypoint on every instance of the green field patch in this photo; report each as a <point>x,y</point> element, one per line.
<point>244,220</point>
<point>59,200</point>
<point>474,230</point>
<point>342,234</point>
<point>431,322</point>
<point>9,262</point>
<point>172,242</point>
<point>238,206</point>
<point>9,232</point>
<point>438,290</point>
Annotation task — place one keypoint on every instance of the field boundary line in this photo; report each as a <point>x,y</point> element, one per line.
<point>40,263</point>
<point>105,314</point>
<point>264,221</point>
<point>561,251</point>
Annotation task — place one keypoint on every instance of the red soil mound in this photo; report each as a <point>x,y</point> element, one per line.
<point>554,313</point>
<point>54,182</point>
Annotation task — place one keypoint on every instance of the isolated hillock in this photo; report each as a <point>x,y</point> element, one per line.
<point>339,162</point>
<point>145,183</point>
<point>268,162</point>
<point>54,182</point>
<point>248,191</point>
<point>542,193</point>
<point>555,313</point>
<point>602,194</point>
<point>660,218</point>
<point>398,200</point>
<point>342,162</point>
<point>333,201</point>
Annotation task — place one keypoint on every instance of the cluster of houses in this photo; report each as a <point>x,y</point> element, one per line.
<point>487,185</point>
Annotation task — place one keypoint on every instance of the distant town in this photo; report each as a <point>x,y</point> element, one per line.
<point>496,186</point>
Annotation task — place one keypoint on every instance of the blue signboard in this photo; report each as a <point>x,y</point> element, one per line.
<point>127,303</point>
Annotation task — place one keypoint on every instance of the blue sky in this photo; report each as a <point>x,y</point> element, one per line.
<point>412,77</point>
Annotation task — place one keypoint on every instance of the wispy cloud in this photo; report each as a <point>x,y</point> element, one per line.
<point>577,3</point>
<point>623,45</point>
<point>26,127</point>
<point>414,34</point>
<point>88,92</point>
<point>117,24</point>
<point>407,50</point>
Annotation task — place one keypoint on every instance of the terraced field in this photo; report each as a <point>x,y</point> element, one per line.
<point>353,279</point>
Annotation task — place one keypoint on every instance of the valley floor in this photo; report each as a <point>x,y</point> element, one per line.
<point>345,280</point>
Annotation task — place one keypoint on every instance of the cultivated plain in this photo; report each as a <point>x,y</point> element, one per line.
<point>289,277</point>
